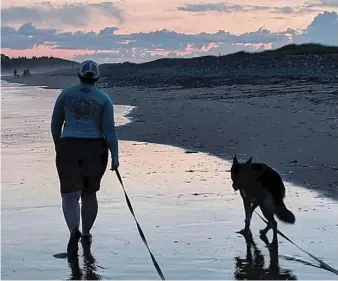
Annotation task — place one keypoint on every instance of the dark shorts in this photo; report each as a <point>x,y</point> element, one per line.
<point>81,163</point>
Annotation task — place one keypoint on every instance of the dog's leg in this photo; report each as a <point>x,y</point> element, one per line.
<point>269,216</point>
<point>249,208</point>
<point>275,233</point>
<point>252,207</point>
<point>272,223</point>
<point>264,238</point>
<point>248,214</point>
<point>273,251</point>
<point>265,230</point>
<point>246,205</point>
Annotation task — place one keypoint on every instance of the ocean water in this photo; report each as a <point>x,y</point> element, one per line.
<point>184,203</point>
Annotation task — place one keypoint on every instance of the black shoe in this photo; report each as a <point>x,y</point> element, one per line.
<point>73,244</point>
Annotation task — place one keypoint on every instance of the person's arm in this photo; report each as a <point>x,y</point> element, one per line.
<point>58,118</point>
<point>109,132</point>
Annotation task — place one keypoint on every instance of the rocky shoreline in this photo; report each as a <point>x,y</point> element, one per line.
<point>237,69</point>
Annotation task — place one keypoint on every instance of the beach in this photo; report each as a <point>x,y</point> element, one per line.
<point>184,201</point>
<point>291,126</point>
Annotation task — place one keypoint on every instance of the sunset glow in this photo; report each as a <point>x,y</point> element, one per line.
<point>77,29</point>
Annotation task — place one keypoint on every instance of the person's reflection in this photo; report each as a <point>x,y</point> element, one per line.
<point>89,266</point>
<point>76,273</point>
<point>252,267</point>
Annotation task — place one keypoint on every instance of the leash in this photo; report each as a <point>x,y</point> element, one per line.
<point>157,267</point>
<point>321,263</point>
<point>159,271</point>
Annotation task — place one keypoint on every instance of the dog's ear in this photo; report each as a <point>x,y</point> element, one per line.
<point>235,160</point>
<point>249,161</point>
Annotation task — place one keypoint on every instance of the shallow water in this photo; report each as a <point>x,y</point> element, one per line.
<point>184,203</point>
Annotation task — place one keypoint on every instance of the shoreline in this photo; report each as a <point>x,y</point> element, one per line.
<point>282,125</point>
<point>42,80</point>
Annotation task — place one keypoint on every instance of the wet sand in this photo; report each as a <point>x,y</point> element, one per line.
<point>292,126</point>
<point>184,203</point>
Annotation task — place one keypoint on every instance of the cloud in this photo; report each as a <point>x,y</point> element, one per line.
<point>107,39</point>
<point>323,3</point>
<point>323,29</point>
<point>286,10</point>
<point>66,14</point>
<point>109,45</point>
<point>223,7</point>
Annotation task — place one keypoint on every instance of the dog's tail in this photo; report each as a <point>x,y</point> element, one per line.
<point>284,214</point>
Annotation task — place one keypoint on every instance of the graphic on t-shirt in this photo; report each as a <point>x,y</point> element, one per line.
<point>82,107</point>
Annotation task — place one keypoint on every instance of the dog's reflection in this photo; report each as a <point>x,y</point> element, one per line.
<point>253,266</point>
<point>89,266</point>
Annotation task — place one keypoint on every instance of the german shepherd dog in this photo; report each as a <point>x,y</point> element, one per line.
<point>260,185</point>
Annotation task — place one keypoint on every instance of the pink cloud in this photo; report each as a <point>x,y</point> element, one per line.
<point>148,15</point>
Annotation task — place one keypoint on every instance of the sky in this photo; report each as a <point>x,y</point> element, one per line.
<point>144,30</point>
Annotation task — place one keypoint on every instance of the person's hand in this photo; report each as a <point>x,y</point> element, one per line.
<point>114,163</point>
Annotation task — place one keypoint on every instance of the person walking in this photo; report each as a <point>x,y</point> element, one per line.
<point>87,116</point>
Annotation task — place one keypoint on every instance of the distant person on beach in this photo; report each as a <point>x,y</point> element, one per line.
<point>26,72</point>
<point>15,72</point>
<point>82,150</point>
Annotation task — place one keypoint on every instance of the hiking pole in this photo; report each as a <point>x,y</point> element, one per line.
<point>157,267</point>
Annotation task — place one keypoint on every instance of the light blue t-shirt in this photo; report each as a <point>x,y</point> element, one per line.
<point>86,112</point>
